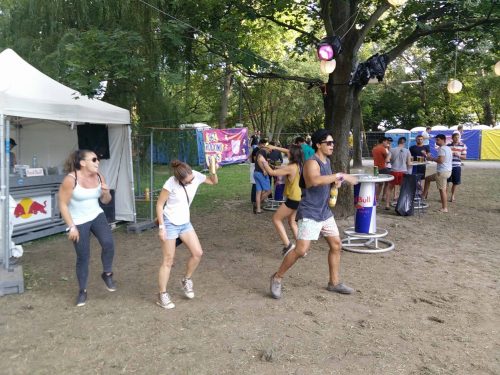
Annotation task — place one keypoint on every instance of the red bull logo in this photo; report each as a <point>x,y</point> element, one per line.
<point>28,207</point>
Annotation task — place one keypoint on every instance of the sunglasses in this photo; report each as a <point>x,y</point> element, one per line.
<point>94,160</point>
<point>328,143</point>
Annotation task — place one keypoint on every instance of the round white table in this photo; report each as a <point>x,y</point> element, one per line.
<point>364,236</point>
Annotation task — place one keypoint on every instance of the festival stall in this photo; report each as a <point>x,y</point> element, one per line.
<point>48,121</point>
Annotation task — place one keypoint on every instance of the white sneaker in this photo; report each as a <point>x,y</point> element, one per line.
<point>165,301</point>
<point>187,287</point>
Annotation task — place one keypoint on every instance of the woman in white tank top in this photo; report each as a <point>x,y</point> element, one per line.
<point>79,196</point>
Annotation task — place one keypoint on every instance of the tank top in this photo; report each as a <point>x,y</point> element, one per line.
<point>292,189</point>
<point>84,203</point>
<point>314,202</point>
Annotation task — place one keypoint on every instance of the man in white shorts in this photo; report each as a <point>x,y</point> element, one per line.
<point>315,216</point>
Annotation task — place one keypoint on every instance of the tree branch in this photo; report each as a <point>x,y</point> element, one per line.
<point>286,25</point>
<point>446,27</point>
<point>382,8</point>
<point>311,81</point>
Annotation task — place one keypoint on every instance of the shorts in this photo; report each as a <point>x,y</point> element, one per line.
<point>384,170</point>
<point>310,229</point>
<point>398,178</point>
<point>441,179</point>
<point>456,176</point>
<point>261,182</point>
<point>174,231</point>
<point>291,204</point>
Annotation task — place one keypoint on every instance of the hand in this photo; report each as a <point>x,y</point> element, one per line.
<point>74,234</point>
<point>161,233</point>
<point>353,180</point>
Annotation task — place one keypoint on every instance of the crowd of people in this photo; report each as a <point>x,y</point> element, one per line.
<point>308,180</point>
<point>399,161</point>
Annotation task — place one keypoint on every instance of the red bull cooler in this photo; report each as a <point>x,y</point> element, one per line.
<point>364,201</point>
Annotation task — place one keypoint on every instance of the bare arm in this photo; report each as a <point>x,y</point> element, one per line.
<point>287,170</point>
<point>280,149</point>
<point>312,176</point>
<point>160,204</point>
<point>106,195</point>
<point>212,179</point>
<point>65,193</point>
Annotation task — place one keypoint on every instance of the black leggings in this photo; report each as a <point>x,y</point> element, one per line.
<point>100,228</point>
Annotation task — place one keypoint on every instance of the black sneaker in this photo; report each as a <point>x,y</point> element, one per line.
<point>108,280</point>
<point>82,298</point>
<point>287,249</point>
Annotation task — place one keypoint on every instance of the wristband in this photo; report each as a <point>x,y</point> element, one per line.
<point>70,228</point>
<point>340,177</point>
<point>160,227</point>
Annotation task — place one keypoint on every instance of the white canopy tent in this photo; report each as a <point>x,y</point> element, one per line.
<point>42,116</point>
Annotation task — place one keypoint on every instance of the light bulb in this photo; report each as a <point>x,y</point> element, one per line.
<point>454,86</point>
<point>497,68</point>
<point>327,67</point>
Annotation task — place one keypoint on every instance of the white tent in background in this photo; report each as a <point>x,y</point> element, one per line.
<point>481,127</point>
<point>417,129</point>
<point>44,116</point>
<point>439,127</point>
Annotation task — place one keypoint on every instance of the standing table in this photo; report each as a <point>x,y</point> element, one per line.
<point>364,236</point>
<point>418,202</point>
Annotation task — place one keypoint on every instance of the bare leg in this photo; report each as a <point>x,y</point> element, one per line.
<point>444,200</point>
<point>168,250</point>
<point>281,214</point>
<point>387,196</point>
<point>258,200</point>
<point>453,190</point>
<point>426,187</point>
<point>334,259</point>
<point>293,224</point>
<point>288,261</point>
<point>192,242</point>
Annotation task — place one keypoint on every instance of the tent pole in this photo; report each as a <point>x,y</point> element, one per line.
<point>151,217</point>
<point>4,196</point>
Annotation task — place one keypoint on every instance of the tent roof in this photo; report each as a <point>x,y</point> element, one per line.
<point>392,131</point>
<point>27,92</point>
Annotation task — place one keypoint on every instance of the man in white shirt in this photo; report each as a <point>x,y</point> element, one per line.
<point>426,134</point>
<point>443,171</point>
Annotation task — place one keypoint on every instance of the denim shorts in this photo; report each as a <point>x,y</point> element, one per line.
<point>262,182</point>
<point>174,231</point>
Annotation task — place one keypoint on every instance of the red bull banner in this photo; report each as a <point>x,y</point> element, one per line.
<point>31,209</point>
<point>229,146</point>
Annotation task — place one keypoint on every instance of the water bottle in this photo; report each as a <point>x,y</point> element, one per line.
<point>34,161</point>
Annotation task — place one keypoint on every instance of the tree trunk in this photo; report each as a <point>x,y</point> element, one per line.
<point>226,89</point>
<point>338,115</point>
<point>357,130</point>
<point>488,118</point>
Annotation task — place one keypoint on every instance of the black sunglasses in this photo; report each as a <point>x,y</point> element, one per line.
<point>93,160</point>
<point>328,143</point>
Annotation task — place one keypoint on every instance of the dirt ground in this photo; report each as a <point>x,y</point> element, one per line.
<point>431,306</point>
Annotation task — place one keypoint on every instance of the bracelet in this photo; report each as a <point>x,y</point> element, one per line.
<point>340,177</point>
<point>160,227</point>
<point>70,228</point>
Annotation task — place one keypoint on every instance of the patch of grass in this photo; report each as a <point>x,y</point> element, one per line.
<point>234,184</point>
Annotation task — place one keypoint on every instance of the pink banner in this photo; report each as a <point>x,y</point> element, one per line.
<point>230,146</point>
